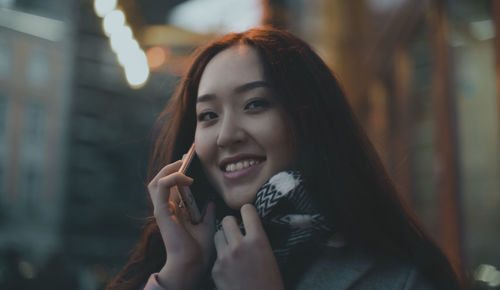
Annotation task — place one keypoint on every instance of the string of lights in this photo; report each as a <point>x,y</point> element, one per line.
<point>130,56</point>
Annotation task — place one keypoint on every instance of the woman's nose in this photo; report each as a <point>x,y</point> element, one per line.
<point>230,132</point>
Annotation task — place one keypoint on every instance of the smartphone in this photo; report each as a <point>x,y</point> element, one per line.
<point>194,200</point>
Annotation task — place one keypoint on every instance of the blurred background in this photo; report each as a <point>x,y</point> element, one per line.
<point>82,81</point>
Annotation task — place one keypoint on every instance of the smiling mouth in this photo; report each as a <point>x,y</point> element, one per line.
<point>242,164</point>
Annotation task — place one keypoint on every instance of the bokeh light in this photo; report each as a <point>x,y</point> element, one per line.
<point>103,7</point>
<point>128,51</point>
<point>157,56</point>
<point>137,72</point>
<point>121,39</point>
<point>113,21</point>
<point>27,269</point>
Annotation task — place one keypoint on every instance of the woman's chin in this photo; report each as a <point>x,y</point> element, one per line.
<point>237,200</point>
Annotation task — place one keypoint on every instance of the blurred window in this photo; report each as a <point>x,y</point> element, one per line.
<point>5,60</point>
<point>30,174</point>
<point>3,122</point>
<point>30,185</point>
<point>2,183</point>
<point>38,71</point>
<point>3,128</point>
<point>34,126</point>
<point>3,143</point>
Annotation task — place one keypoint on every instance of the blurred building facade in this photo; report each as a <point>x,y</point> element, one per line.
<point>74,141</point>
<point>422,78</point>
<point>75,137</point>
<point>35,85</point>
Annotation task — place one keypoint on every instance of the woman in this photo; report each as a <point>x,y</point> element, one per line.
<point>269,119</point>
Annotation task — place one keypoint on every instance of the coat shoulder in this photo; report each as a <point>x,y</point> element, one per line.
<point>347,268</point>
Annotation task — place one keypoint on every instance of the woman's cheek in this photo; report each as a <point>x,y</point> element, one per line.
<point>205,146</point>
<point>202,144</point>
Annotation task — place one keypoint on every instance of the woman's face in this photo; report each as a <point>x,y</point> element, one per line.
<point>242,136</point>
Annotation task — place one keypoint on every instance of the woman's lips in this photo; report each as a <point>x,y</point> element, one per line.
<point>242,172</point>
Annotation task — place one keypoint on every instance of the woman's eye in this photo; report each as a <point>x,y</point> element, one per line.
<point>257,105</point>
<point>206,116</point>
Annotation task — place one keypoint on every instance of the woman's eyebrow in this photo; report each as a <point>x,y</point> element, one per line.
<point>205,98</point>
<point>239,89</point>
<point>251,85</point>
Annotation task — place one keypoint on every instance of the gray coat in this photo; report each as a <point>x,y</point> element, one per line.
<point>344,268</point>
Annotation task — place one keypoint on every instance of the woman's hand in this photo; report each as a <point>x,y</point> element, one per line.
<point>189,247</point>
<point>245,261</point>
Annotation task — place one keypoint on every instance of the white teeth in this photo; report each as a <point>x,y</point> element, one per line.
<point>240,165</point>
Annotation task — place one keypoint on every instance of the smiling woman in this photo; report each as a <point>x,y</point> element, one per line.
<point>242,134</point>
<point>301,199</point>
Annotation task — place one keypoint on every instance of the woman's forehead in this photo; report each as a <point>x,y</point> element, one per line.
<point>231,67</point>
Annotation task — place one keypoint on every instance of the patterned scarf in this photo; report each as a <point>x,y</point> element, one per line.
<point>288,214</point>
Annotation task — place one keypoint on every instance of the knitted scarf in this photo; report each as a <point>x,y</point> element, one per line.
<point>288,214</point>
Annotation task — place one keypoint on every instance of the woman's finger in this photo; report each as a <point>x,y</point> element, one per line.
<point>171,223</point>
<point>170,168</point>
<point>162,190</point>
<point>251,220</point>
<point>171,208</point>
<point>169,216</point>
<point>220,242</point>
<point>182,211</point>
<point>231,230</point>
<point>161,193</point>
<point>175,178</point>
